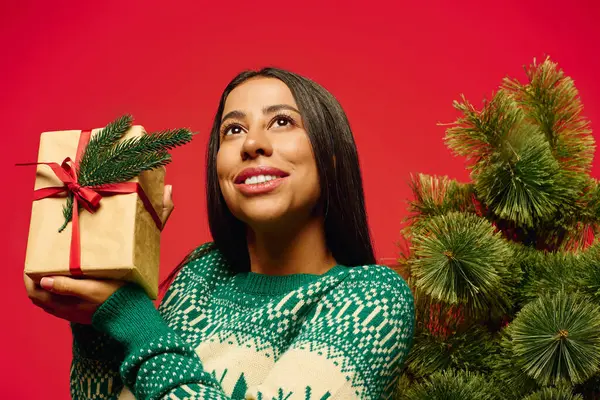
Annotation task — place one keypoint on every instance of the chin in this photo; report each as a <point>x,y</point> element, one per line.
<point>261,216</point>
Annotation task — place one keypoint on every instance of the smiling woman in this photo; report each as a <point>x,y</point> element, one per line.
<point>286,303</point>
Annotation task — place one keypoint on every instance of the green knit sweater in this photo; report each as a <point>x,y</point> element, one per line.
<point>220,335</point>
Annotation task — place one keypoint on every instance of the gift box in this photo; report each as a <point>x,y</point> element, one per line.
<point>117,231</point>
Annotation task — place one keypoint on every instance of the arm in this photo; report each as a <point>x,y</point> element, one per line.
<point>351,345</point>
<point>95,365</point>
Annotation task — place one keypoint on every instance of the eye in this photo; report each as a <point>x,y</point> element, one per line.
<point>282,121</point>
<point>232,129</point>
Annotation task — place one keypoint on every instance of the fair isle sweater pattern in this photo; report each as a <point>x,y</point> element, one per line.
<point>220,335</point>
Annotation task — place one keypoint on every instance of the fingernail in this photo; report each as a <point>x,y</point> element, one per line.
<point>47,283</point>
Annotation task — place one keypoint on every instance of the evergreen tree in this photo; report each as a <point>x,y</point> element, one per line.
<point>506,268</point>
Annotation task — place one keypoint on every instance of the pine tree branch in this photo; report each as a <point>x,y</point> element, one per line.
<point>125,169</point>
<point>478,134</point>
<point>101,143</point>
<point>551,100</point>
<point>434,195</point>
<point>67,212</point>
<point>461,259</point>
<point>454,385</point>
<point>553,329</point>
<point>523,182</point>
<point>131,148</point>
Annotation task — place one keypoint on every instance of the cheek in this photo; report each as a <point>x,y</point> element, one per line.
<point>301,155</point>
<point>225,166</point>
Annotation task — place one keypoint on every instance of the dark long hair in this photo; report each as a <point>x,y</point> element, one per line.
<point>342,198</point>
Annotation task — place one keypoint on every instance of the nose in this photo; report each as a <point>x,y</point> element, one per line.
<point>256,144</point>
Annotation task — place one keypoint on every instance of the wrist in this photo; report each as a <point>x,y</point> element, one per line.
<point>129,316</point>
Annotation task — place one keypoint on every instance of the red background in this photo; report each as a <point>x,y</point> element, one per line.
<point>395,67</point>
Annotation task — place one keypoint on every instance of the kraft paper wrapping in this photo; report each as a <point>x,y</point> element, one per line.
<point>119,241</point>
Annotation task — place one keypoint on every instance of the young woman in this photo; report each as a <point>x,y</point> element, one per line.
<point>286,303</point>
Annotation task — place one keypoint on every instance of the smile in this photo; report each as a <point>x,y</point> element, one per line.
<point>254,180</point>
<point>259,180</point>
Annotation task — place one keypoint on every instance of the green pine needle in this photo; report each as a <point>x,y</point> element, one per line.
<point>454,385</point>
<point>67,212</point>
<point>467,350</point>
<point>124,169</point>
<point>478,134</point>
<point>557,337</point>
<point>460,258</point>
<point>552,101</point>
<point>102,142</point>
<point>561,392</point>
<point>438,196</point>
<point>590,271</point>
<point>520,182</point>
<point>134,154</point>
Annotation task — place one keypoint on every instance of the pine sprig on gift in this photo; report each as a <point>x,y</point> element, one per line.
<point>132,154</point>
<point>122,169</point>
<point>108,159</point>
<point>101,142</point>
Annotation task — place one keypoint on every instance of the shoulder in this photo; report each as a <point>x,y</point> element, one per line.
<point>371,293</point>
<point>206,263</point>
<point>378,281</point>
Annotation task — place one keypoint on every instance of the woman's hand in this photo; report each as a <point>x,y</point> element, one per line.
<point>77,300</point>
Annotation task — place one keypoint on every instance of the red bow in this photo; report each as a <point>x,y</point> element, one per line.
<point>86,196</point>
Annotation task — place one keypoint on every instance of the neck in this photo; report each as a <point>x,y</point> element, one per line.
<point>293,251</point>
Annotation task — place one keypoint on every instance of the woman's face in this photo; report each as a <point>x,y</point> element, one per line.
<point>265,164</point>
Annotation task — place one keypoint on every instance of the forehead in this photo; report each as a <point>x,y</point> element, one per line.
<point>257,93</point>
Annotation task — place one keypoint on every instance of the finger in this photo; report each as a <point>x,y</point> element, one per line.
<point>92,290</point>
<point>65,286</point>
<point>44,299</point>
<point>168,205</point>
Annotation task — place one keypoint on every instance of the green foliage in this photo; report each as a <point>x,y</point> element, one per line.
<point>561,392</point>
<point>519,181</point>
<point>557,337</point>
<point>590,271</point>
<point>453,385</point>
<point>478,134</point>
<point>464,350</point>
<point>108,159</point>
<point>551,101</point>
<point>438,196</point>
<point>531,152</point>
<point>506,370</point>
<point>100,143</point>
<point>462,259</point>
<point>552,272</point>
<point>506,269</point>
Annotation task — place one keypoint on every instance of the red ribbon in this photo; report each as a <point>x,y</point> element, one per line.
<point>88,196</point>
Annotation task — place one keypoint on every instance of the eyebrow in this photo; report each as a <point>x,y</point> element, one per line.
<point>267,110</point>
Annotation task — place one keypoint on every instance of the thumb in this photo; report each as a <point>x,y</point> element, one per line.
<point>66,286</point>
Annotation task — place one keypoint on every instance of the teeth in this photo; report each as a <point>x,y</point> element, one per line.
<point>259,179</point>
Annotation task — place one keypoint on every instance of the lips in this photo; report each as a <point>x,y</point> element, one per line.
<point>256,171</point>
